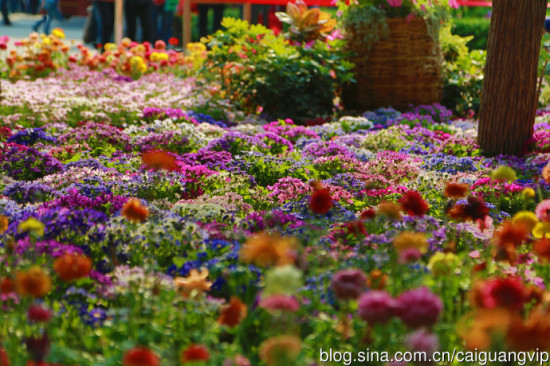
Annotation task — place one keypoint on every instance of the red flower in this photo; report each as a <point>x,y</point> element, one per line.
<point>70,267</point>
<point>37,313</point>
<point>474,210</point>
<point>159,160</point>
<point>140,356</point>
<point>173,41</point>
<point>321,200</point>
<point>356,228</point>
<point>232,314</point>
<point>506,293</point>
<point>195,352</point>
<point>6,286</point>
<point>4,358</point>
<point>511,234</point>
<point>413,204</point>
<point>368,214</point>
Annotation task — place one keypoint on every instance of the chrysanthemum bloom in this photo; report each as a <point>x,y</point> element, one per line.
<point>232,314</point>
<point>504,173</point>
<point>140,356</point>
<point>546,173</point>
<point>511,234</point>
<point>159,160</point>
<point>33,282</point>
<point>376,307</point>
<point>368,214</point>
<point>264,250</point>
<point>194,353</point>
<point>38,314</point>
<point>456,190</point>
<point>526,218</point>
<point>474,210</point>
<point>531,335</point>
<point>541,230</point>
<point>377,280</point>
<point>413,204</point>
<point>528,193</point>
<point>541,248</point>
<point>6,286</point>
<point>3,224</point>
<point>134,211</point>
<point>443,264</point>
<point>70,267</point>
<point>348,284</point>
<point>389,209</point>
<point>280,302</point>
<point>280,350</point>
<point>409,239</point>
<point>543,210</point>
<point>508,293</point>
<point>419,307</point>
<point>33,226</point>
<point>321,200</point>
<point>196,282</point>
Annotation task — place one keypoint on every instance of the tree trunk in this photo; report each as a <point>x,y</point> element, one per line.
<point>509,95</point>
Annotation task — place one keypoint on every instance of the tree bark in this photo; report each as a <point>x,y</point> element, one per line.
<point>509,95</point>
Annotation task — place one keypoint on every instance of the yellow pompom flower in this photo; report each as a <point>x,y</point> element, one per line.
<point>504,173</point>
<point>541,229</point>
<point>33,226</point>
<point>527,218</point>
<point>528,193</point>
<point>443,264</point>
<point>110,47</point>
<point>58,32</point>
<point>408,239</point>
<point>154,57</point>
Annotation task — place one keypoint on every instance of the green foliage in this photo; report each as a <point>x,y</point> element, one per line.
<point>478,28</point>
<point>260,71</point>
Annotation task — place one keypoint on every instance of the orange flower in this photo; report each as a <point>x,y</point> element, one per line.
<point>486,324</point>
<point>140,356</point>
<point>70,267</point>
<point>6,286</point>
<point>159,160</point>
<point>377,280</point>
<point>3,224</point>
<point>232,314</point>
<point>281,350</point>
<point>511,234</point>
<point>133,211</point>
<point>195,352</point>
<point>264,249</point>
<point>389,209</point>
<point>546,172</point>
<point>542,249</point>
<point>196,282</point>
<point>455,190</point>
<point>321,201</point>
<point>533,334</point>
<point>33,282</point>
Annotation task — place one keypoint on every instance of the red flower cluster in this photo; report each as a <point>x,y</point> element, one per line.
<point>321,201</point>
<point>140,356</point>
<point>413,204</point>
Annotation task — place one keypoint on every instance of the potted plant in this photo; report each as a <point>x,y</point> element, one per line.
<point>397,55</point>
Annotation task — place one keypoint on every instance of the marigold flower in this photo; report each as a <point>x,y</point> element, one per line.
<point>134,211</point>
<point>389,209</point>
<point>413,204</point>
<point>526,218</point>
<point>541,248</point>
<point>409,239</point>
<point>195,352</point>
<point>4,222</point>
<point>281,350</point>
<point>195,282</point>
<point>33,226</point>
<point>159,160</point>
<point>456,190</point>
<point>140,356</point>
<point>70,267</point>
<point>528,193</point>
<point>321,200</point>
<point>264,250</point>
<point>511,234</point>
<point>541,230</point>
<point>58,32</point>
<point>232,314</point>
<point>33,282</point>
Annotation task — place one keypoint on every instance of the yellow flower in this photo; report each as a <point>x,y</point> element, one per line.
<point>527,218</point>
<point>542,229</point>
<point>110,47</point>
<point>528,193</point>
<point>136,60</point>
<point>504,173</point>
<point>154,56</point>
<point>408,239</point>
<point>4,222</point>
<point>58,32</point>
<point>196,282</point>
<point>443,264</point>
<point>33,226</point>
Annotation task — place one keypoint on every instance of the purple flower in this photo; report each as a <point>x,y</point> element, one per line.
<point>419,307</point>
<point>348,284</point>
<point>376,307</point>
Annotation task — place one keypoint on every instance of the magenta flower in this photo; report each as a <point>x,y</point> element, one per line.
<point>419,307</point>
<point>376,307</point>
<point>280,302</point>
<point>348,284</point>
<point>395,3</point>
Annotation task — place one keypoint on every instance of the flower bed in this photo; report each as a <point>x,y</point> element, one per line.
<point>135,230</point>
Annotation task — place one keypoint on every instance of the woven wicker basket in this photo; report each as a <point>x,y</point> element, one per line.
<point>400,70</point>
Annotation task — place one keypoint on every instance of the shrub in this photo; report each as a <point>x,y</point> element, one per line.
<point>476,27</point>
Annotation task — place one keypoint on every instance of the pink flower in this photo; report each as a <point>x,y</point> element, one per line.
<point>453,4</point>
<point>238,360</point>
<point>280,302</point>
<point>376,307</point>
<point>409,255</point>
<point>422,341</point>
<point>348,284</point>
<point>543,210</point>
<point>395,3</point>
<point>419,307</point>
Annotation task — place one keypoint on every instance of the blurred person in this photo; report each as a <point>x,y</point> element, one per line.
<point>203,18</point>
<point>106,21</point>
<point>5,12</point>
<point>50,9</point>
<point>134,9</point>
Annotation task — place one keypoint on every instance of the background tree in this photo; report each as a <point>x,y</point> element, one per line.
<point>509,95</point>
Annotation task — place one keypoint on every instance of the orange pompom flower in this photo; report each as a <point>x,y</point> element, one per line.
<point>542,249</point>
<point>140,356</point>
<point>3,224</point>
<point>6,286</point>
<point>232,314</point>
<point>281,350</point>
<point>321,201</point>
<point>194,353</point>
<point>70,267</point>
<point>413,204</point>
<point>134,211</point>
<point>264,250</point>
<point>511,234</point>
<point>456,190</point>
<point>33,282</point>
<point>159,160</point>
